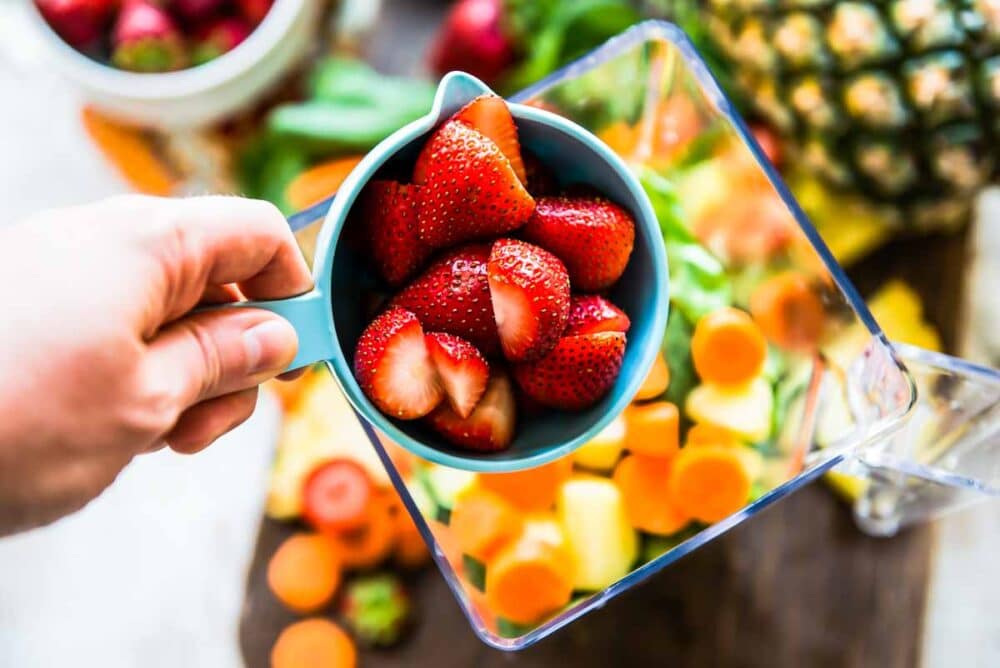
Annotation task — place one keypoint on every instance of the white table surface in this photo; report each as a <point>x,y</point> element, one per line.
<point>152,573</point>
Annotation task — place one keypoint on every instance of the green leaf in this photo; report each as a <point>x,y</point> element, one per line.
<point>677,352</point>
<point>353,83</point>
<point>266,169</point>
<point>323,127</point>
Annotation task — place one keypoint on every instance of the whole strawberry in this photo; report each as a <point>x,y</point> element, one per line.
<point>79,22</point>
<point>145,39</point>
<point>578,372</point>
<point>219,37</point>
<point>377,609</point>
<point>254,11</point>
<point>195,10</point>
<point>473,41</point>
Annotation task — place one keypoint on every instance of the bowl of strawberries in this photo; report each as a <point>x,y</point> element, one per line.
<point>175,63</point>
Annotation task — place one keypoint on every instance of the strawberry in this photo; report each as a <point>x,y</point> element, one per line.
<point>489,114</point>
<point>589,314</point>
<point>388,209</point>
<point>462,369</point>
<point>145,39</point>
<point>470,191</point>
<point>393,367</point>
<point>590,234</point>
<point>471,40</point>
<point>79,22</point>
<point>194,11</point>
<point>529,288</point>
<point>254,11</point>
<point>218,37</point>
<point>541,181</point>
<point>490,427</point>
<point>453,296</point>
<point>576,374</point>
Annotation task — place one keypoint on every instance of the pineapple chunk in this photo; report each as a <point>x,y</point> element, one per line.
<point>447,484</point>
<point>600,539</point>
<point>545,528</point>
<point>743,409</point>
<point>601,453</point>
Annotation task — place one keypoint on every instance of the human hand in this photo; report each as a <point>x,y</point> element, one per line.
<point>100,356</point>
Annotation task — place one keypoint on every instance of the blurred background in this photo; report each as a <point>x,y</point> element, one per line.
<point>888,143</point>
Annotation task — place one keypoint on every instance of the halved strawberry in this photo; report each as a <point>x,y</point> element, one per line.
<point>490,427</point>
<point>469,189</point>
<point>589,314</point>
<point>593,236</point>
<point>529,288</point>
<point>453,295</point>
<point>578,372</point>
<point>389,211</point>
<point>393,367</point>
<point>489,114</point>
<point>462,369</point>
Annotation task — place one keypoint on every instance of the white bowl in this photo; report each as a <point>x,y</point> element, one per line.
<point>198,95</point>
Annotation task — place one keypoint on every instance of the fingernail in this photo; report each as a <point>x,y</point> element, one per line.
<point>269,346</point>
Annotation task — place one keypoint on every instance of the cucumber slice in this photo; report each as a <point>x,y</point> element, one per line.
<point>474,572</point>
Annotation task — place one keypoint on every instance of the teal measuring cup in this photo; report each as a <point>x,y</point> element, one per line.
<point>330,318</point>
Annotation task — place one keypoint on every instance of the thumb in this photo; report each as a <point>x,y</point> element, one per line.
<point>214,353</point>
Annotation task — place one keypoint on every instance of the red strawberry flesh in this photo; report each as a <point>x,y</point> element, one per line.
<point>591,235</point>
<point>471,40</point>
<point>462,368</point>
<point>489,115</point>
<point>389,210</point>
<point>589,314</point>
<point>453,295</point>
<point>469,189</point>
<point>79,22</point>
<point>393,367</point>
<point>578,372</point>
<point>254,11</point>
<point>490,427</point>
<point>194,10</point>
<point>219,37</point>
<point>529,288</point>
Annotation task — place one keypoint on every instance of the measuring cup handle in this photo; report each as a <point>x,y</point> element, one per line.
<point>308,314</point>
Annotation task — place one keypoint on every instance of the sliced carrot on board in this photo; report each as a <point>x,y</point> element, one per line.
<point>657,380</point>
<point>727,347</point>
<point>643,482</point>
<point>372,543</point>
<point>319,182</point>
<point>709,483</point>
<point>789,311</point>
<point>529,580</point>
<point>314,643</point>
<point>531,489</point>
<point>483,522</point>
<point>704,433</point>
<point>304,572</point>
<point>652,429</point>
<point>131,153</point>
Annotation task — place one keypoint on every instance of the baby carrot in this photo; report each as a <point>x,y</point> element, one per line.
<point>304,572</point>
<point>657,380</point>
<point>727,347</point>
<point>789,311</point>
<point>131,153</point>
<point>709,483</point>
<point>314,643</point>
<point>643,482</point>
<point>483,522</point>
<point>319,182</point>
<point>531,489</point>
<point>704,433</point>
<point>652,429</point>
<point>528,580</point>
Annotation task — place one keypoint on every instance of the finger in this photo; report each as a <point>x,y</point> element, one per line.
<point>221,294</point>
<point>212,353</point>
<point>204,241</point>
<point>200,425</point>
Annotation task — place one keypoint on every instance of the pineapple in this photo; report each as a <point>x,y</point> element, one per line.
<point>898,100</point>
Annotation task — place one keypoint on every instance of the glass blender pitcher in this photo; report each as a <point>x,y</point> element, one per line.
<point>529,552</point>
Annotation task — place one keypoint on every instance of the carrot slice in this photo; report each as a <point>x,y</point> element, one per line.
<point>531,489</point>
<point>652,429</point>
<point>411,550</point>
<point>728,347</point>
<point>314,643</point>
<point>319,182</point>
<point>643,482</point>
<point>483,522</point>
<point>709,483</point>
<point>528,580</point>
<point>373,542</point>
<point>304,572</point>
<point>657,380</point>
<point>704,433</point>
<point>789,311</point>
<point>131,153</point>
<point>621,138</point>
